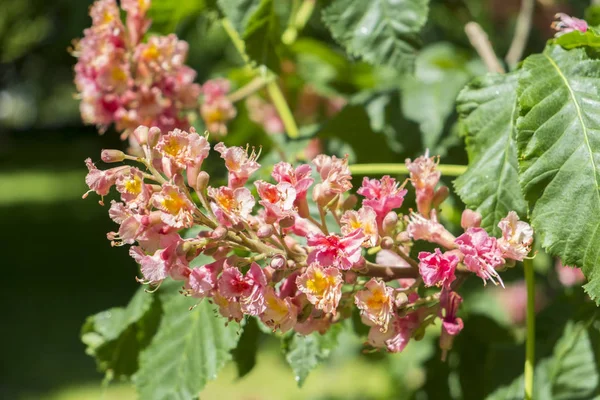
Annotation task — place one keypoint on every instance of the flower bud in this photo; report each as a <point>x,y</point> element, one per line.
<point>303,210</point>
<point>387,243</point>
<point>153,136</point>
<point>403,237</point>
<point>141,134</point>
<point>278,262</point>
<point>389,222</point>
<point>201,181</point>
<point>360,263</point>
<point>291,264</point>
<point>178,180</point>
<point>401,299</point>
<point>265,231</point>
<point>470,219</point>
<point>112,156</point>
<point>287,222</point>
<point>350,202</point>
<point>440,195</point>
<point>219,233</point>
<point>350,277</point>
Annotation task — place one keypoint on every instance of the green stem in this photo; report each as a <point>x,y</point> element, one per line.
<point>400,169</point>
<point>283,110</point>
<point>252,87</point>
<point>235,39</point>
<point>298,21</point>
<point>530,344</point>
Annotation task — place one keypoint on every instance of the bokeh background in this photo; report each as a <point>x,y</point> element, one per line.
<point>58,266</point>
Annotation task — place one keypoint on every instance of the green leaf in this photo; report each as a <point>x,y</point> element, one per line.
<point>382,32</point>
<point>244,354</point>
<point>558,135</point>
<point>167,14</point>
<point>592,15</point>
<point>571,40</point>
<point>189,349</point>
<point>115,337</point>
<point>239,12</point>
<point>428,97</point>
<point>304,353</point>
<point>487,108</point>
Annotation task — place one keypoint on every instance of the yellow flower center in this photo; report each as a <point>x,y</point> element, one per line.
<point>214,115</point>
<point>226,202</point>
<point>172,147</point>
<point>173,203</point>
<point>275,305</point>
<point>133,185</point>
<point>107,17</point>
<point>118,74</point>
<point>377,300</point>
<point>150,53</point>
<point>319,283</point>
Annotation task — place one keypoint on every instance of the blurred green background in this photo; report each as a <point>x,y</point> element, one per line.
<point>58,266</point>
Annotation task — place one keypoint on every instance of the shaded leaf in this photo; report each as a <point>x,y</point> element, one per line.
<point>487,108</point>
<point>382,32</point>
<point>244,354</point>
<point>558,135</point>
<point>189,349</point>
<point>115,337</point>
<point>167,14</point>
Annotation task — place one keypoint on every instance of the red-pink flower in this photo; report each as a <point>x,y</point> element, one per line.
<point>437,269</point>
<point>202,280</point>
<point>322,286</point>
<point>382,195</point>
<point>278,200</point>
<point>333,250</point>
<point>177,209</point>
<point>366,219</point>
<point>231,205</point>
<point>517,237</point>
<point>239,164</point>
<point>248,289</point>
<point>482,254</point>
<point>180,150</point>
<point>451,325</point>
<point>375,303</point>
<point>299,177</point>
<point>397,336</point>
<point>100,181</point>
<point>335,175</point>
<point>567,24</point>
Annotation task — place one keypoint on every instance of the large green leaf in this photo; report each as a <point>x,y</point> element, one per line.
<point>589,38</point>
<point>304,353</point>
<point>244,354</point>
<point>167,14</point>
<point>558,135</point>
<point>189,349</point>
<point>487,108</point>
<point>382,32</point>
<point>115,337</point>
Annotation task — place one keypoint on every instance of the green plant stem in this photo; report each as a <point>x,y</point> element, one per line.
<point>530,344</point>
<point>298,22</point>
<point>400,169</point>
<point>283,110</point>
<point>252,87</point>
<point>235,39</point>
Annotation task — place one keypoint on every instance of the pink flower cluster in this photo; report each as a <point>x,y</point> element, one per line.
<point>274,259</point>
<point>124,81</point>
<point>565,24</point>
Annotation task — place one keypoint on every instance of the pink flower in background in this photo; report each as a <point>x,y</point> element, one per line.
<point>517,237</point>
<point>375,304</point>
<point>424,176</point>
<point>322,286</point>
<point>264,114</point>
<point>333,250</point>
<point>382,195</point>
<point>216,109</point>
<point>278,200</point>
<point>482,254</point>
<point>567,24</point>
<point>437,269</point>
<point>177,209</point>
<point>239,164</point>
<point>451,325</point>
<point>335,175</point>
<point>366,220</point>
<point>569,276</point>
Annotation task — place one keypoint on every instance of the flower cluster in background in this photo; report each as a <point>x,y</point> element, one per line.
<point>297,251</point>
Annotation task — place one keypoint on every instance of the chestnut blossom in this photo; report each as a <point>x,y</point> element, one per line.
<point>299,178</point>
<point>375,304</point>
<point>437,269</point>
<point>420,228</point>
<point>278,200</point>
<point>451,325</point>
<point>134,191</point>
<point>160,265</point>
<point>231,205</point>
<point>424,176</point>
<point>470,219</point>
<point>322,286</point>
<point>248,289</point>
<point>336,178</point>
<point>239,164</point>
<point>517,237</point>
<point>180,150</point>
<point>366,219</point>
<point>569,276</point>
<point>216,109</point>
<point>482,254</point>
<point>202,280</point>
<point>397,336</point>
<point>101,181</point>
<point>382,195</point>
<point>264,114</point>
<point>280,313</point>
<point>177,209</point>
<point>333,250</point>
<point>567,24</point>
<point>228,308</point>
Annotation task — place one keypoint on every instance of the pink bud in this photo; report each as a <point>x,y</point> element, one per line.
<point>403,237</point>
<point>278,262</point>
<point>141,134</point>
<point>440,195</point>
<point>470,219</point>
<point>387,243</point>
<point>219,233</point>
<point>153,136</point>
<point>287,222</point>
<point>350,202</point>
<point>265,231</point>
<point>389,222</point>
<point>112,156</point>
<point>202,181</point>
<point>350,277</point>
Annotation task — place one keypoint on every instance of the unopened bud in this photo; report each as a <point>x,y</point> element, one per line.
<point>387,243</point>
<point>389,222</point>
<point>112,156</point>
<point>287,222</point>
<point>219,232</point>
<point>440,195</point>
<point>350,277</point>
<point>140,134</point>
<point>153,136</point>
<point>178,180</point>
<point>291,264</point>
<point>265,231</point>
<point>402,237</point>
<point>303,210</point>
<point>360,263</point>
<point>350,202</point>
<point>278,262</point>
<point>401,299</point>
<point>470,219</point>
<point>202,181</point>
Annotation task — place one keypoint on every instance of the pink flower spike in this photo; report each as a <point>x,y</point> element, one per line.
<point>177,209</point>
<point>278,200</point>
<point>382,195</point>
<point>375,303</point>
<point>482,254</point>
<point>332,250</point>
<point>322,286</point>
<point>517,237</point>
<point>567,24</point>
<point>437,269</point>
<point>239,164</point>
<point>366,219</point>
<point>451,325</point>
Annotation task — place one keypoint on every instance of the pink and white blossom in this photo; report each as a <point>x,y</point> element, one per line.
<point>239,163</point>
<point>517,237</point>
<point>322,286</point>
<point>482,254</point>
<point>437,269</point>
<point>333,250</point>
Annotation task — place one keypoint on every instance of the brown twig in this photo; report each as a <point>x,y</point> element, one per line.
<point>517,47</point>
<point>480,42</point>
